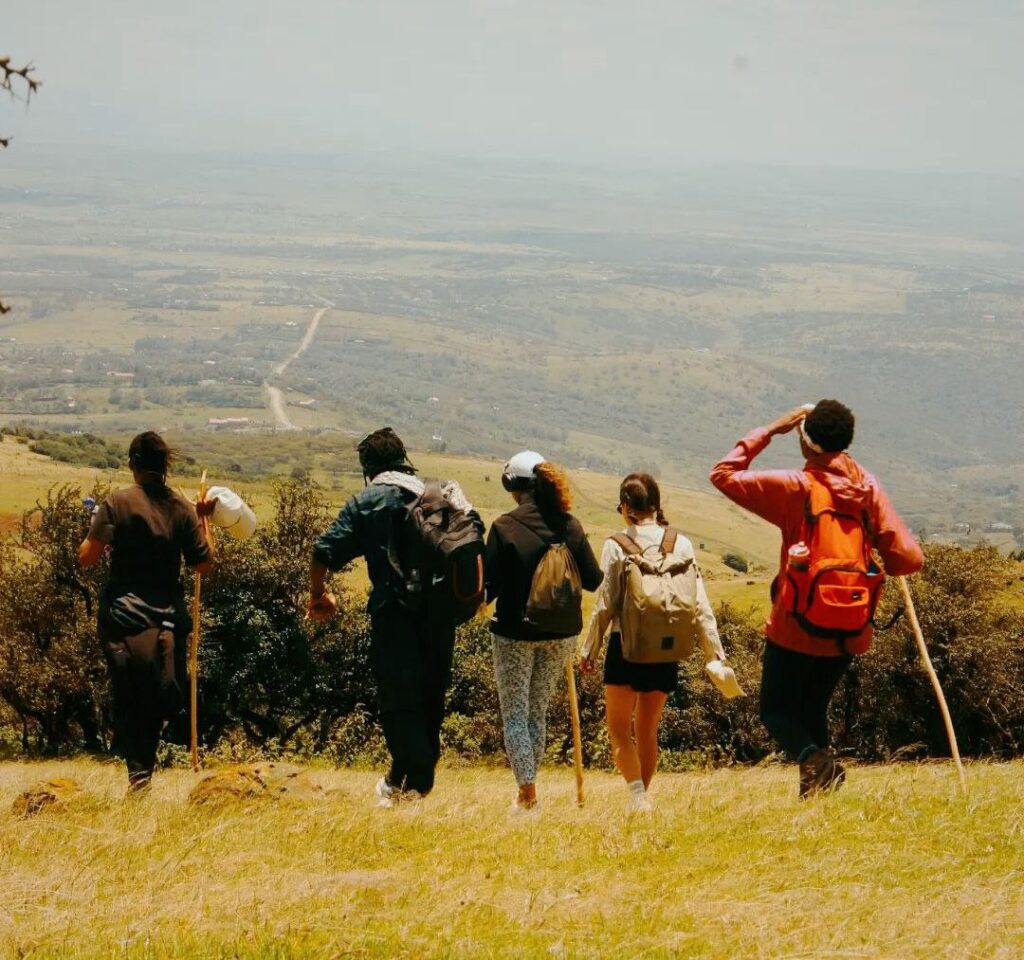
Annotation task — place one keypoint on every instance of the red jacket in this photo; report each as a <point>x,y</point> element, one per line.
<point>780,497</point>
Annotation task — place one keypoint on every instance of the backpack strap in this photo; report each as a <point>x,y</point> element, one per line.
<point>527,527</point>
<point>668,541</point>
<point>819,499</point>
<point>629,546</point>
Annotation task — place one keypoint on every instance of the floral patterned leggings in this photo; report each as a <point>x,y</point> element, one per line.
<point>527,673</point>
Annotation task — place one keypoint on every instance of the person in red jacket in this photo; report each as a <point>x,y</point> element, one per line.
<point>802,669</point>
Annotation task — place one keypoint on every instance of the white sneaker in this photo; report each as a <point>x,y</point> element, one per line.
<point>389,797</point>
<point>385,794</point>
<point>640,803</point>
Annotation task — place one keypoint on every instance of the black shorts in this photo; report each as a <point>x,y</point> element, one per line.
<point>642,677</point>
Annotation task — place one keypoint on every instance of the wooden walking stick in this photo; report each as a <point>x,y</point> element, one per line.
<point>915,625</point>
<point>193,653</point>
<point>577,740</point>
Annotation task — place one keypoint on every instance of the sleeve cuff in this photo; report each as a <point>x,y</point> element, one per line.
<point>322,554</point>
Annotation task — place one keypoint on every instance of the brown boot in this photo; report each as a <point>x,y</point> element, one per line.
<point>820,772</point>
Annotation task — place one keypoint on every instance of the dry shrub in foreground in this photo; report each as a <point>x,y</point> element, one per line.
<point>45,794</point>
<point>239,784</point>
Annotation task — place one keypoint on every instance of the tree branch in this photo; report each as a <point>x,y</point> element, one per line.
<point>25,75</point>
<point>12,78</point>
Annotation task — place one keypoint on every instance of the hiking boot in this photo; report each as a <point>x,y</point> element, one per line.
<point>139,784</point>
<point>820,772</point>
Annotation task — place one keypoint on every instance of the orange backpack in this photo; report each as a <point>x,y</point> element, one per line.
<point>831,584</point>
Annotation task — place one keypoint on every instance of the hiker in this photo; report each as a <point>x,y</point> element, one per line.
<point>412,624</point>
<point>144,623</point>
<point>538,563</point>
<point>832,514</point>
<point>635,692</point>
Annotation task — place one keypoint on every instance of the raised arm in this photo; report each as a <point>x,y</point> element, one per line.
<point>763,492</point>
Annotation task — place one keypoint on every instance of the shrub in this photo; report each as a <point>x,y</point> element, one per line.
<point>273,683</point>
<point>52,677</point>
<point>735,562</point>
<point>976,642</point>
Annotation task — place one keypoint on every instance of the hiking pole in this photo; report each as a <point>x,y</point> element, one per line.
<point>915,625</point>
<point>577,740</point>
<point>193,653</point>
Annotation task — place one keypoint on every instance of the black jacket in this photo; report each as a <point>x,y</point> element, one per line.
<point>515,545</point>
<point>365,528</point>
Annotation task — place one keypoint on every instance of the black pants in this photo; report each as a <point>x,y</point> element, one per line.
<point>411,658</point>
<point>795,692</point>
<point>146,693</point>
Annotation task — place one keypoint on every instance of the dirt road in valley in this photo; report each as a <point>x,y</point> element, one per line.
<point>275,398</point>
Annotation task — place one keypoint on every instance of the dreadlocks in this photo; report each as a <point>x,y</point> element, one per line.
<point>383,450</point>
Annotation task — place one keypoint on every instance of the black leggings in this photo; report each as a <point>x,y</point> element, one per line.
<point>795,692</point>
<point>412,664</point>
<point>146,693</point>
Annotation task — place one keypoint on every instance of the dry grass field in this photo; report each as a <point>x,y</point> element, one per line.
<point>730,865</point>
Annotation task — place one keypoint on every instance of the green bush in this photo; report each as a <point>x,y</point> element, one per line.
<point>52,678</point>
<point>735,562</point>
<point>273,684</point>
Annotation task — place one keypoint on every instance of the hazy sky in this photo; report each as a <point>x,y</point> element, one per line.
<point>933,84</point>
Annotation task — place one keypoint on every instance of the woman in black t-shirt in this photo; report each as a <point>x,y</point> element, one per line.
<point>144,622</point>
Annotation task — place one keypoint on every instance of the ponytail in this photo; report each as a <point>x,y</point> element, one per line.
<point>150,456</point>
<point>551,489</point>
<point>640,495</point>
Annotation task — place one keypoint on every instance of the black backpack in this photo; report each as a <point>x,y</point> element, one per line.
<point>440,557</point>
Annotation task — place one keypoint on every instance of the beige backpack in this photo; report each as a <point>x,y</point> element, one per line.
<point>658,618</point>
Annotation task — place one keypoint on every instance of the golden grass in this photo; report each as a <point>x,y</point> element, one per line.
<point>730,865</point>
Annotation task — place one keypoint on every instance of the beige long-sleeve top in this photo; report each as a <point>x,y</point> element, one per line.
<point>609,597</point>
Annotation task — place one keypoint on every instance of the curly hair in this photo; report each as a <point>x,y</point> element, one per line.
<point>830,425</point>
<point>640,495</point>
<point>383,450</point>
<point>551,489</point>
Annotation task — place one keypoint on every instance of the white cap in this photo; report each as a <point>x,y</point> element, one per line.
<point>522,465</point>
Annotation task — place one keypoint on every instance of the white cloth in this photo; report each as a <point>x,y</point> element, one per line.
<point>409,481</point>
<point>609,596</point>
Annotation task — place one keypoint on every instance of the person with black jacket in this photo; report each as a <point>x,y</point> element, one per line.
<point>528,662</point>
<point>144,623</point>
<point>410,650</point>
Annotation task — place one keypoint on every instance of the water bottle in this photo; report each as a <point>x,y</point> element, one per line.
<point>799,556</point>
